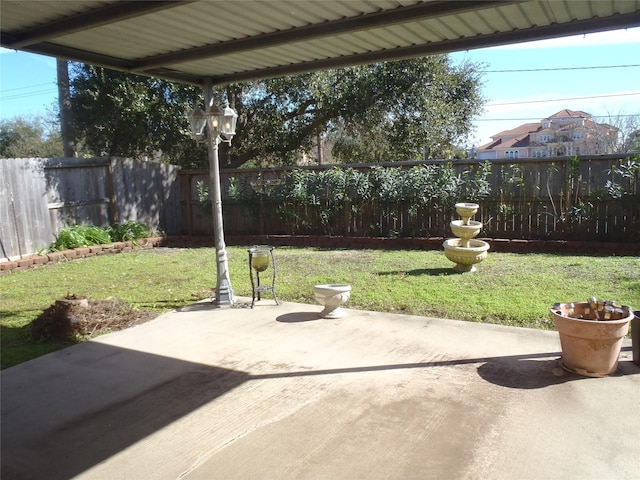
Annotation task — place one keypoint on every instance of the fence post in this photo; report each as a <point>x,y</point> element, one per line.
<point>113,213</point>
<point>188,204</point>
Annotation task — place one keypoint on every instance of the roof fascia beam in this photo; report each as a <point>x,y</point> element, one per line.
<point>534,33</point>
<point>421,10</point>
<point>495,39</point>
<point>105,61</point>
<point>90,19</point>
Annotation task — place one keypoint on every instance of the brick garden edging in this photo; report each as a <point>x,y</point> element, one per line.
<point>435,243</point>
<point>321,241</point>
<point>432,243</point>
<point>32,261</point>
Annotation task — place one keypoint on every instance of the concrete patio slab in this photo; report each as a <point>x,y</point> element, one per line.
<point>276,392</point>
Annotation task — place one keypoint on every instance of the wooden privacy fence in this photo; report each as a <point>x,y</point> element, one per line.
<point>590,199</point>
<point>39,197</point>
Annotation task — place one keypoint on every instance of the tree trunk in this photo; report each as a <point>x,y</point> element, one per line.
<point>64,103</point>
<point>319,142</point>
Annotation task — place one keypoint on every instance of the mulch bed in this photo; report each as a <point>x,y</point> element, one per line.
<point>68,319</point>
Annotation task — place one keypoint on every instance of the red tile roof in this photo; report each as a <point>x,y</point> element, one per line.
<point>523,129</point>
<point>571,113</point>
<point>520,136</point>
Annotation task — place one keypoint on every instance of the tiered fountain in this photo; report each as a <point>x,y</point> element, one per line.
<point>465,251</point>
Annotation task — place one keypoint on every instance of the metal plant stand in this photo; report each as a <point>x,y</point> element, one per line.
<point>259,259</point>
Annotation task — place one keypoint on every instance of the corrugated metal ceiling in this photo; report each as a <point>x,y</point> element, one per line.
<point>234,41</point>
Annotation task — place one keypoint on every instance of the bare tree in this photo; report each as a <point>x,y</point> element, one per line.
<point>627,127</point>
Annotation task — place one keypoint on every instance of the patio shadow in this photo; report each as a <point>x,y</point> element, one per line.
<point>66,412</point>
<point>432,272</point>
<point>524,373</point>
<point>297,317</point>
<point>529,371</point>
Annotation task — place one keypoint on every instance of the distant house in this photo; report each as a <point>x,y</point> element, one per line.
<point>565,133</point>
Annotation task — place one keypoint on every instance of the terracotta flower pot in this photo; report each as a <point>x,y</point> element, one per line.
<point>589,347</point>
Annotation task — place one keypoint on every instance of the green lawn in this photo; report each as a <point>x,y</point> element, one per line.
<point>509,289</point>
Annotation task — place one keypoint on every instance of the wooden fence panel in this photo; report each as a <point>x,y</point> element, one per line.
<point>39,197</point>
<point>147,192</point>
<point>24,217</point>
<point>198,215</point>
<point>77,192</point>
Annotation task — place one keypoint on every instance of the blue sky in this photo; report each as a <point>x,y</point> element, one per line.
<point>566,73</point>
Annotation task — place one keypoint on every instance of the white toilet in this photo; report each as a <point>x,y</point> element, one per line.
<point>331,297</point>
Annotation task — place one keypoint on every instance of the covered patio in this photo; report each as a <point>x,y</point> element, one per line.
<point>275,392</point>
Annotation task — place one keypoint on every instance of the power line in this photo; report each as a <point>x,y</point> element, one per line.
<point>558,69</point>
<point>537,119</point>
<point>26,95</point>
<point>563,99</point>
<point>26,87</point>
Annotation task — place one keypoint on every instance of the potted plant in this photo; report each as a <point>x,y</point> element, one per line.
<point>591,335</point>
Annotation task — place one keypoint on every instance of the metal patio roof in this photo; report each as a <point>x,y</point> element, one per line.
<point>233,41</point>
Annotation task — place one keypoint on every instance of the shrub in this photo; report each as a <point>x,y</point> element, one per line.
<point>77,236</point>
<point>130,230</point>
<point>304,198</point>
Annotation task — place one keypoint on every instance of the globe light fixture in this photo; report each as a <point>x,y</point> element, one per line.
<point>228,124</point>
<point>213,126</point>
<point>197,122</point>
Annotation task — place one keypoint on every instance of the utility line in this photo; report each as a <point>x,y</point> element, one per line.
<point>28,86</point>
<point>559,69</point>
<point>563,99</point>
<point>537,119</point>
<point>26,95</point>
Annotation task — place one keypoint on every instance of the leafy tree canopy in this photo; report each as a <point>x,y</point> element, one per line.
<point>119,114</point>
<point>35,137</point>
<point>408,110</point>
<point>380,112</point>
